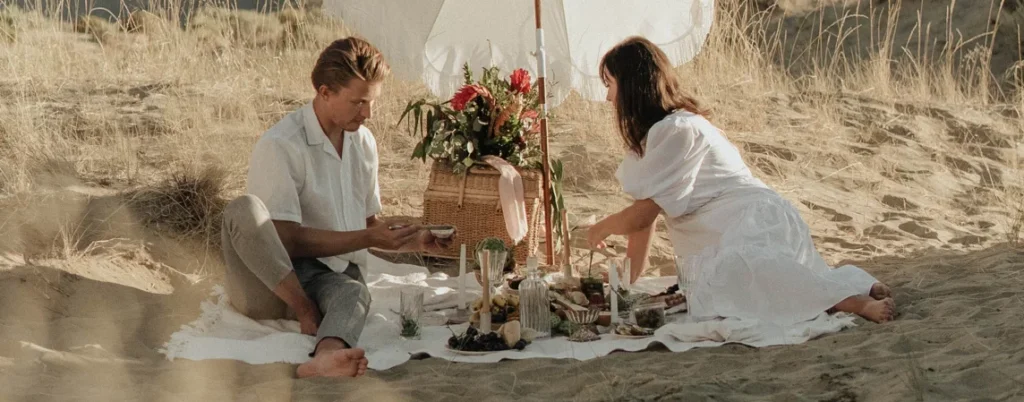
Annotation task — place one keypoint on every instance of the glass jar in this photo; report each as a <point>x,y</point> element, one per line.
<point>534,306</point>
<point>649,315</point>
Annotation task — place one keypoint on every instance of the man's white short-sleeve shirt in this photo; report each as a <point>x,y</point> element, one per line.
<point>297,173</point>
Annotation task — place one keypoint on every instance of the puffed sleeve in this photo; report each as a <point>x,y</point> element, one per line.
<point>668,170</point>
<point>276,175</point>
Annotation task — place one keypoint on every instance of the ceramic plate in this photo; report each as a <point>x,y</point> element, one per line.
<point>632,336</point>
<point>473,353</point>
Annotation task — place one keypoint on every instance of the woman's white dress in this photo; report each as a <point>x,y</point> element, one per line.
<point>750,252</point>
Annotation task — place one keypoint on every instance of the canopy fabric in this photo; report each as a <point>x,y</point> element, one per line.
<point>430,40</point>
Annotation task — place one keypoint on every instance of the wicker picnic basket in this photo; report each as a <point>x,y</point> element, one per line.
<point>471,203</point>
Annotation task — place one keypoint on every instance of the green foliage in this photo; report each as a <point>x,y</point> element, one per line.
<point>493,116</point>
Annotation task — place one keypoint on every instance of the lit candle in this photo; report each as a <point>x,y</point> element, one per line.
<point>613,280</point>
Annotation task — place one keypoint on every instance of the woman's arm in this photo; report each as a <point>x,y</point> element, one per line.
<point>634,218</point>
<point>638,249</point>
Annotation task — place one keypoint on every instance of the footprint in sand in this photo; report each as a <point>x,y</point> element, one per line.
<point>834,215</point>
<point>959,164</point>
<point>863,151</point>
<point>907,108</point>
<point>990,153</point>
<point>763,149</point>
<point>766,166</point>
<point>892,216</point>
<point>918,230</point>
<point>881,137</point>
<point>901,131</point>
<point>883,232</point>
<point>969,240</point>
<point>846,245</point>
<point>983,225</point>
<point>965,133</point>
<point>899,203</point>
<point>991,176</point>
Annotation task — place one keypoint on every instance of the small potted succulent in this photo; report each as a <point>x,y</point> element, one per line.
<point>494,244</point>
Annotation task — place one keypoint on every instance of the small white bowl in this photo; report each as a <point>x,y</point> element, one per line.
<point>442,231</point>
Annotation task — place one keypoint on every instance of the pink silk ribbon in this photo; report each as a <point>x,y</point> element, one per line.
<point>513,202</point>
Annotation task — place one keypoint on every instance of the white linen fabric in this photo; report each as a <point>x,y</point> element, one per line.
<point>300,177</point>
<point>222,333</point>
<point>751,252</point>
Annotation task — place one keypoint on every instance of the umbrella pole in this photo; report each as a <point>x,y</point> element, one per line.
<point>549,241</point>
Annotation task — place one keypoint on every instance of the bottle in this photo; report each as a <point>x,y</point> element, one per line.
<point>535,308</point>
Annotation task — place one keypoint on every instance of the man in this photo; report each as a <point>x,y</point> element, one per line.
<point>296,243</point>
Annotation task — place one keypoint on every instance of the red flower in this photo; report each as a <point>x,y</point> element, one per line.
<point>464,96</point>
<point>520,81</point>
<point>529,114</point>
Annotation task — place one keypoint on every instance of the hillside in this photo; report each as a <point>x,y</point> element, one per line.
<point>119,144</point>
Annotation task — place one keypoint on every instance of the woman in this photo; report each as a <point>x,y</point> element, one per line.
<point>750,253</point>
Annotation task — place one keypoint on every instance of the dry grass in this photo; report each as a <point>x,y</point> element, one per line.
<point>8,27</point>
<point>127,99</point>
<point>188,204</point>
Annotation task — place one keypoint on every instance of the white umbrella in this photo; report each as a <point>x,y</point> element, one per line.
<point>431,40</point>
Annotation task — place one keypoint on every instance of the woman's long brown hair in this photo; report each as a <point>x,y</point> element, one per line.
<point>648,89</point>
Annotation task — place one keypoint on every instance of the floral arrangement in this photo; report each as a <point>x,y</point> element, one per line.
<point>493,116</point>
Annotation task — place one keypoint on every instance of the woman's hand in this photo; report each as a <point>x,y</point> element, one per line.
<point>596,235</point>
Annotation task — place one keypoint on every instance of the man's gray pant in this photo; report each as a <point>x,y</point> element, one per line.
<point>257,262</point>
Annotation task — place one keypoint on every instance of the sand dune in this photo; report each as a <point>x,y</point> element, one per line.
<point>955,339</point>
<point>114,162</point>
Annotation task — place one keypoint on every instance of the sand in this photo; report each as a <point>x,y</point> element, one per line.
<point>957,338</point>
<point>921,187</point>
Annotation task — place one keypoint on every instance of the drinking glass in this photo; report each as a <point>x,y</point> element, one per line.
<point>496,272</point>
<point>411,309</point>
<point>686,273</point>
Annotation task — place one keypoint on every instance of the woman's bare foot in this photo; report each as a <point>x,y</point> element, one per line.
<point>874,310</point>
<point>334,363</point>
<point>879,310</point>
<point>880,291</point>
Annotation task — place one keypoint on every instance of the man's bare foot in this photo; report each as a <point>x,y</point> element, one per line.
<point>334,363</point>
<point>879,310</point>
<point>880,291</point>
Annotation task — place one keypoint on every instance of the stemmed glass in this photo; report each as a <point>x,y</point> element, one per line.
<point>496,267</point>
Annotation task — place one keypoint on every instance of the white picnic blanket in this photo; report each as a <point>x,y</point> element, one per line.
<point>220,332</point>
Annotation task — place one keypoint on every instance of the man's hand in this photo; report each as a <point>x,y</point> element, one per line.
<point>426,241</point>
<point>382,236</point>
<point>306,311</point>
<point>309,320</point>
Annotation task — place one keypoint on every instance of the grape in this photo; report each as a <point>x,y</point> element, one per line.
<point>471,331</point>
<point>453,342</point>
<point>520,345</point>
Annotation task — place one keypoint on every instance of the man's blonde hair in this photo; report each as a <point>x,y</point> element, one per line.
<point>347,59</point>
